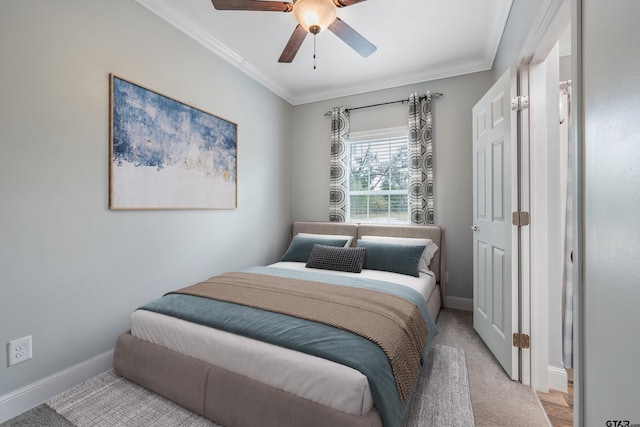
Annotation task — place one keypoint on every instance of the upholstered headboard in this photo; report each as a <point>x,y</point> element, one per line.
<point>433,232</point>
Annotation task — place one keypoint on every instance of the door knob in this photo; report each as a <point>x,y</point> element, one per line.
<point>474,227</point>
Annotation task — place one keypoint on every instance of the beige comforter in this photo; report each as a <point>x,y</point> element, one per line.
<point>393,323</point>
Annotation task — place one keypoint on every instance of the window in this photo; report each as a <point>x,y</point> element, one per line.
<point>379,176</point>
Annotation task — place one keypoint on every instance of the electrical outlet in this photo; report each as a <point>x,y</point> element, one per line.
<point>19,350</point>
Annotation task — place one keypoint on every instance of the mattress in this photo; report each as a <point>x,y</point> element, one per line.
<point>315,379</point>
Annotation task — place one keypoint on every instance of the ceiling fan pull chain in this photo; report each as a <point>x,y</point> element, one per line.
<point>314,51</point>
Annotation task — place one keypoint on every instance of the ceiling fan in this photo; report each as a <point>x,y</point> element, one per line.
<point>313,16</point>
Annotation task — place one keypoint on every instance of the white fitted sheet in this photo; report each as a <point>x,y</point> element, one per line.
<point>318,380</point>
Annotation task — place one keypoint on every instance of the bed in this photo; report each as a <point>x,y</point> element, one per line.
<point>241,377</point>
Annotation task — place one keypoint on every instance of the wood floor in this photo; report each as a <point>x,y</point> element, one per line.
<point>558,406</point>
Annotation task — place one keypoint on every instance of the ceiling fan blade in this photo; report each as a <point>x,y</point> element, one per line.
<point>345,3</point>
<point>351,37</point>
<point>265,6</point>
<point>293,44</point>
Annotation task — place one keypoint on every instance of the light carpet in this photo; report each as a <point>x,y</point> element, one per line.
<point>497,400</point>
<point>442,399</point>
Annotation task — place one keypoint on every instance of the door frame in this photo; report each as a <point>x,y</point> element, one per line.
<point>524,251</point>
<point>548,26</point>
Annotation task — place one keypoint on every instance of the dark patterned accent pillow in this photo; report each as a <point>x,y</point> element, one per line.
<point>336,258</point>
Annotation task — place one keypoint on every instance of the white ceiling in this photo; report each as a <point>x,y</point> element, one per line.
<point>417,41</point>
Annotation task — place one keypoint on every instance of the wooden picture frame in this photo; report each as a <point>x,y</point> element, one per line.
<point>165,154</point>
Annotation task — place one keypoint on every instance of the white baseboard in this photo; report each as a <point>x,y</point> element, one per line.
<point>558,379</point>
<point>459,303</point>
<point>30,396</point>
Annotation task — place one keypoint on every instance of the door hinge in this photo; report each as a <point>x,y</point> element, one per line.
<point>521,340</point>
<point>520,218</point>
<point>519,103</point>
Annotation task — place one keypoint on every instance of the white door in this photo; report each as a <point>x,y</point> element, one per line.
<point>495,251</point>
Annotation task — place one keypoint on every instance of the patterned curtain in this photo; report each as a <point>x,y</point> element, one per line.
<point>339,165</point>
<point>420,160</point>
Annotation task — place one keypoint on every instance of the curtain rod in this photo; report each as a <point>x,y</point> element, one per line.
<point>432,95</point>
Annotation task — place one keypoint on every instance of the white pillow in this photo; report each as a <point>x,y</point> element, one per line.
<point>329,236</point>
<point>429,250</point>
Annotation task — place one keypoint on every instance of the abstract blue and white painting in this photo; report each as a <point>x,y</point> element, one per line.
<point>168,155</point>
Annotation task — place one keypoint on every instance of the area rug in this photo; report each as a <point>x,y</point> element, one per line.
<point>441,399</point>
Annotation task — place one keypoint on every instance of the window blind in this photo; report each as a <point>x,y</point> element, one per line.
<point>379,179</point>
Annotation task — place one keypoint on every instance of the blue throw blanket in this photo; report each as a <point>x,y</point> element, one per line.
<point>305,336</point>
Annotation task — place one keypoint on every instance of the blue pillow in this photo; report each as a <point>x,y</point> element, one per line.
<point>301,246</point>
<point>402,259</point>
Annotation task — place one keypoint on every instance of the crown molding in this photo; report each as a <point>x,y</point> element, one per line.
<point>497,30</point>
<point>174,17</point>
<point>452,70</point>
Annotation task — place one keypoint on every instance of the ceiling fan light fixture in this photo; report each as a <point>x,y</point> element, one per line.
<point>314,15</point>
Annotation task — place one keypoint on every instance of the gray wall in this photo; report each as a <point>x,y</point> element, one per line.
<point>521,18</point>
<point>71,271</point>
<point>565,68</point>
<point>610,136</point>
<point>452,151</point>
